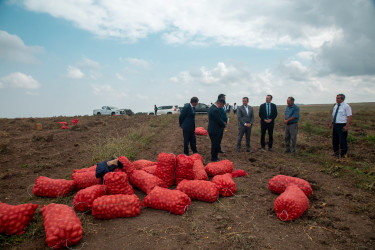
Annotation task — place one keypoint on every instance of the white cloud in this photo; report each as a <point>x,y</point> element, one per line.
<point>19,80</point>
<point>119,76</point>
<point>142,97</point>
<point>138,62</point>
<point>88,63</point>
<point>12,48</point>
<point>107,92</point>
<point>75,73</point>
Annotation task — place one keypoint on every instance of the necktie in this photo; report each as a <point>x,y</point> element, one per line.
<point>337,109</point>
<point>193,110</point>
<point>268,111</point>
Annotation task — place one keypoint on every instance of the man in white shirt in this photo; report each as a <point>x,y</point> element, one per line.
<point>245,116</point>
<point>341,118</point>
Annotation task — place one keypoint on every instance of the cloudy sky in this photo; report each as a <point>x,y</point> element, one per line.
<point>70,57</point>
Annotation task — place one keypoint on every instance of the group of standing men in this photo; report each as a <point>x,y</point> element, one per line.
<point>217,121</point>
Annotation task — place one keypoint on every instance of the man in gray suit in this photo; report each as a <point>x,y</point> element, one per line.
<point>245,116</point>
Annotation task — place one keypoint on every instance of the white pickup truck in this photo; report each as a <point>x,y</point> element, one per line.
<point>107,110</point>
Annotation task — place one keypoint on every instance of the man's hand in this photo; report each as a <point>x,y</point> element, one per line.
<point>330,125</point>
<point>346,128</point>
<point>285,122</point>
<point>248,125</point>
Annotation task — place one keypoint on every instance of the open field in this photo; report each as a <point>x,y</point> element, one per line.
<point>342,207</point>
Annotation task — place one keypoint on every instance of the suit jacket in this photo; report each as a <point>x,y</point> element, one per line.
<point>263,112</point>
<point>187,118</point>
<point>243,117</point>
<point>215,121</point>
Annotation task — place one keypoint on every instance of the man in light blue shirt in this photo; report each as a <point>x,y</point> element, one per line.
<point>291,118</point>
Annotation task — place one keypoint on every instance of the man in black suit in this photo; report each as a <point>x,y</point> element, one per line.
<point>215,127</point>
<point>245,116</point>
<point>267,114</point>
<point>187,123</point>
<point>224,117</point>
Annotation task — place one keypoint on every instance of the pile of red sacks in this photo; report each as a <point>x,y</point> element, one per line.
<point>293,201</point>
<point>65,124</point>
<point>113,197</point>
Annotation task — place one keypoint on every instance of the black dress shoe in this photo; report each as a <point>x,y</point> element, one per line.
<point>221,151</point>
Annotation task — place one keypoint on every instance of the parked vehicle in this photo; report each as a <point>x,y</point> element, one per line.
<point>107,110</point>
<point>126,112</point>
<point>201,108</point>
<point>166,110</point>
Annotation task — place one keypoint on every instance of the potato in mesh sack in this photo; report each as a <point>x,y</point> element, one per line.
<point>196,157</point>
<point>199,170</point>
<point>150,169</point>
<point>85,197</point>
<point>291,204</point>
<point>201,131</point>
<point>117,183</point>
<point>199,190</point>
<point>92,168</point>
<point>279,183</point>
<point>145,181</point>
<point>128,167</point>
<point>227,187</point>
<point>85,179</point>
<point>47,187</point>
<point>62,226</point>
<point>116,206</point>
<point>184,168</point>
<point>173,201</point>
<point>14,218</point>
<point>166,167</point>
<point>140,164</point>
<point>220,167</point>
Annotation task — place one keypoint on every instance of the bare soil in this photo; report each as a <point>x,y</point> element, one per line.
<point>341,215</point>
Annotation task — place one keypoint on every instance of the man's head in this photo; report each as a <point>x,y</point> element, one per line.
<point>194,101</point>
<point>245,101</point>
<point>220,103</point>
<point>290,101</point>
<point>268,98</point>
<point>340,98</point>
<point>221,96</point>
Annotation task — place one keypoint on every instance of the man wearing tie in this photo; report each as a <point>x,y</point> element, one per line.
<point>216,125</point>
<point>245,116</point>
<point>187,123</point>
<point>341,118</point>
<point>267,114</point>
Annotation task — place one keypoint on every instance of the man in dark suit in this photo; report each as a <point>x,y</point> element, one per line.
<point>215,127</point>
<point>223,114</point>
<point>267,114</point>
<point>245,116</point>
<point>187,123</point>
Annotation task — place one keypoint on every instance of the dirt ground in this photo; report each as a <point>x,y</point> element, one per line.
<point>341,214</point>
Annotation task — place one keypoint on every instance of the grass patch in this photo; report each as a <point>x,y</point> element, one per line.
<point>312,128</point>
<point>370,138</point>
<point>130,144</point>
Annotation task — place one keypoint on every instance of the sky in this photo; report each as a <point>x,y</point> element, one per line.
<point>66,58</point>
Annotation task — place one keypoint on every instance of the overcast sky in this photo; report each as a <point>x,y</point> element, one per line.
<point>70,57</point>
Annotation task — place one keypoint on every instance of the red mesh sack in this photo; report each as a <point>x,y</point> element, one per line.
<point>201,131</point>
<point>220,167</point>
<point>199,190</point>
<point>166,168</point>
<point>226,185</point>
<point>199,170</point>
<point>117,183</point>
<point>173,201</point>
<point>184,168</point>
<point>93,168</point>
<point>238,173</point>
<point>47,187</point>
<point>150,169</point>
<point>279,183</point>
<point>128,166</point>
<point>64,127</point>
<point>116,206</point>
<point>196,157</point>
<point>291,204</point>
<point>84,198</point>
<point>145,181</point>
<point>14,218</point>
<point>63,227</point>
<point>85,179</point>
<point>140,164</point>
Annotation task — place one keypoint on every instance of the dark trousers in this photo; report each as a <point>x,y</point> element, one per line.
<point>291,131</point>
<point>339,139</point>
<point>221,138</point>
<point>264,127</point>
<point>241,131</point>
<point>215,146</point>
<point>189,137</point>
